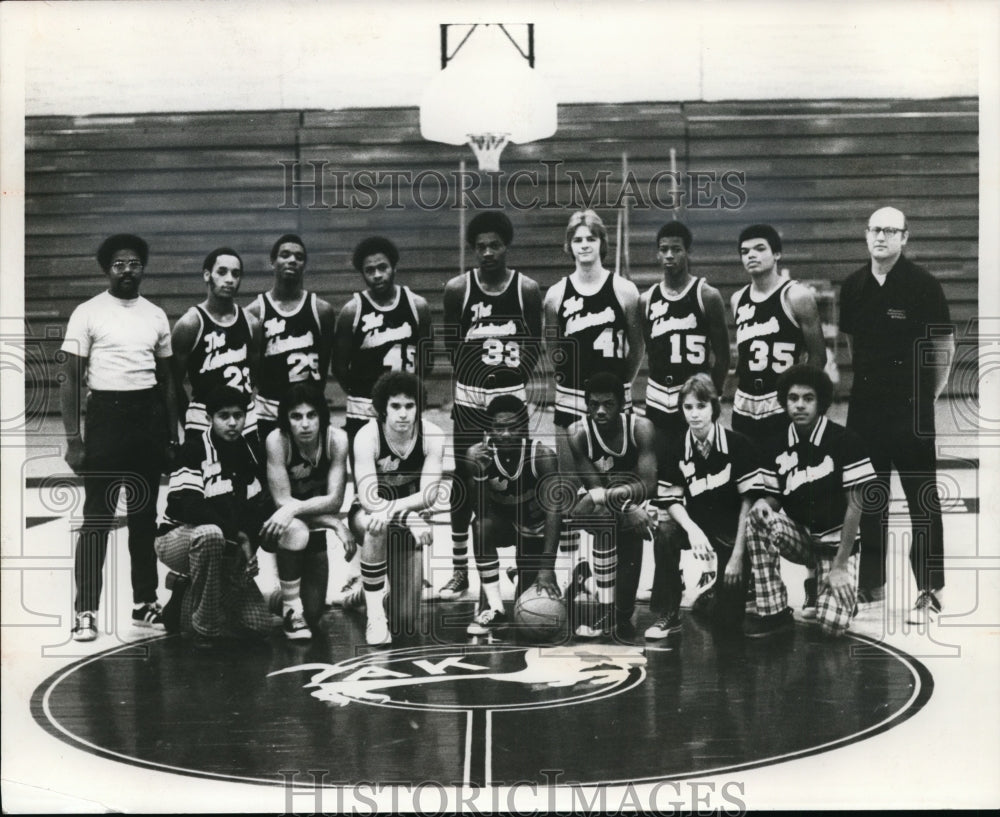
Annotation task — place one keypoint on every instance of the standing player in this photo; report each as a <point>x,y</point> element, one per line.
<point>613,453</point>
<point>592,318</point>
<point>507,478</point>
<point>397,471</point>
<point>379,330</point>
<point>776,321</point>
<point>903,342</point>
<point>813,513</point>
<point>592,324</point>
<point>298,332</point>
<point>684,326</point>
<point>709,477</point>
<point>216,503</point>
<point>123,342</point>
<point>307,475</point>
<point>216,343</point>
<point>493,318</point>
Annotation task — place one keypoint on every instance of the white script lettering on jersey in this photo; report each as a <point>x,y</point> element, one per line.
<point>661,327</point>
<point>492,330</point>
<point>277,346</point>
<point>580,322</point>
<point>749,331</point>
<point>216,360</point>
<point>380,337</point>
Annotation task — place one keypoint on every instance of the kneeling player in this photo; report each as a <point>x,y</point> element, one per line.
<point>613,453</point>
<point>397,471</point>
<point>306,473</point>
<point>509,475</point>
<point>215,506</point>
<point>709,478</point>
<point>813,512</point>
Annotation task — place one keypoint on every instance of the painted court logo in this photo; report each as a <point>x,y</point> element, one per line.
<point>456,677</point>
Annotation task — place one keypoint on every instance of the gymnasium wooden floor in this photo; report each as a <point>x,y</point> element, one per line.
<point>891,716</point>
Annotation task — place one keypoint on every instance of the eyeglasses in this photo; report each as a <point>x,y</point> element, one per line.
<point>132,266</point>
<point>889,232</point>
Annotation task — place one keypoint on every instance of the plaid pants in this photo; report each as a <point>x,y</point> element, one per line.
<point>221,600</point>
<point>781,536</point>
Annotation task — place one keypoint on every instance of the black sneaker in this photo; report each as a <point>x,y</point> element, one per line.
<point>664,626</point>
<point>625,631</point>
<point>486,622</point>
<point>171,614</point>
<point>456,587</point>
<point>809,606</point>
<point>148,615</point>
<point>764,626</point>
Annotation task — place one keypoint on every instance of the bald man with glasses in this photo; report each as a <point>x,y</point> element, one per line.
<point>902,344</point>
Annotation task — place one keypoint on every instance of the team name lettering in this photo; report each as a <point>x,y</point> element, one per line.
<point>580,322</point>
<point>388,464</point>
<point>604,464</point>
<point>274,326</point>
<point>492,330</point>
<point>813,473</point>
<point>661,326</point>
<point>381,337</point>
<point>572,305</point>
<point>755,330</point>
<point>373,320</point>
<point>745,312</point>
<point>218,487</point>
<point>709,482</point>
<point>278,346</point>
<point>300,471</point>
<point>254,488</point>
<point>216,360</point>
<point>481,310</point>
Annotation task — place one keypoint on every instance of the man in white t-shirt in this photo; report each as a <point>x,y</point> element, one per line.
<point>117,353</point>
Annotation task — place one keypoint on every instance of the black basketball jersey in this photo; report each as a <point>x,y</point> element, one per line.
<point>291,347</point>
<point>513,493</point>
<point>605,459</point>
<point>712,488</point>
<point>768,341</point>
<point>399,471</point>
<point>385,340</point>
<point>678,343</point>
<point>220,356</point>
<point>592,339</point>
<point>309,479</point>
<point>492,332</point>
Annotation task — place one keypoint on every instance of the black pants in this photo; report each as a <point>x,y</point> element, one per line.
<point>893,442</point>
<point>124,446</point>
<point>669,541</point>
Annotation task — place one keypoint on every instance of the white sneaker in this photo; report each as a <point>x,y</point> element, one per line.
<point>926,610</point>
<point>85,626</point>
<point>294,625</point>
<point>377,631</point>
<point>355,598</point>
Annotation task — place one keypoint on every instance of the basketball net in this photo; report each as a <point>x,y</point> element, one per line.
<point>488,147</point>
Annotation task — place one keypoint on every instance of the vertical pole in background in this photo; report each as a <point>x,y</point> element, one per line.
<point>626,257</point>
<point>618,245</point>
<point>673,182</point>
<point>461,223</point>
